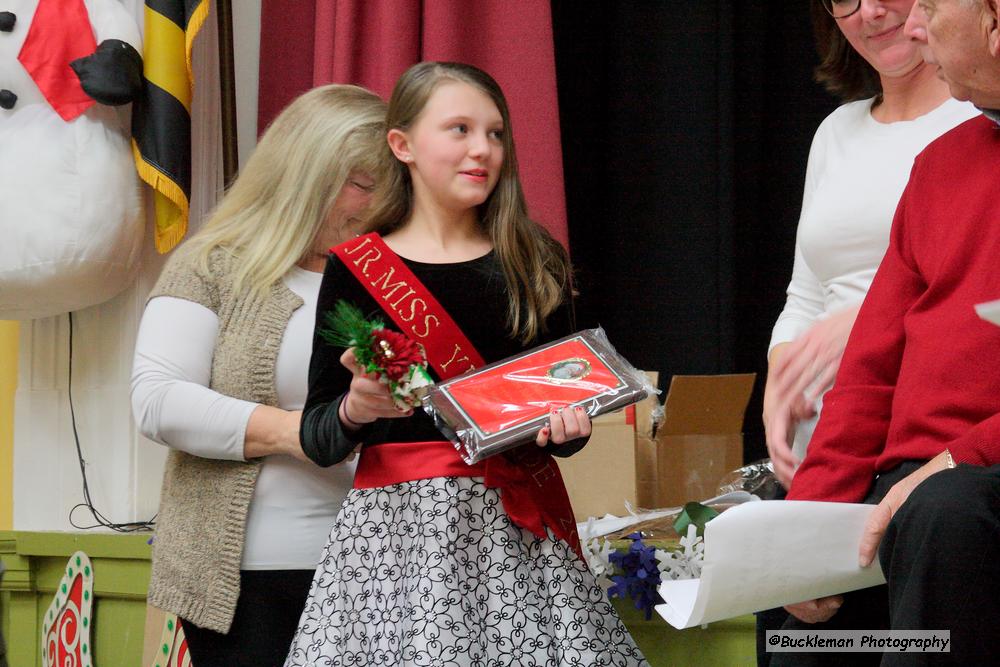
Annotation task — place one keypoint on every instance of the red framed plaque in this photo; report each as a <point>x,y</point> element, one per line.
<point>504,404</point>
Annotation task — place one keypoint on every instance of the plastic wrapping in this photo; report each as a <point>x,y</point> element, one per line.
<point>504,404</point>
<point>756,478</point>
<point>659,524</point>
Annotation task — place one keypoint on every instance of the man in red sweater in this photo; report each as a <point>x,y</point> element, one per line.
<point>913,421</point>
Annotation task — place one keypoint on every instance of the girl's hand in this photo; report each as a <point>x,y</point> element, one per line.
<point>565,424</point>
<point>367,399</point>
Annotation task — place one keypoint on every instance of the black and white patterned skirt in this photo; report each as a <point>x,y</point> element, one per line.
<point>433,572</point>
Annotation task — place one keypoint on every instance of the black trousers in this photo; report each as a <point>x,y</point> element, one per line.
<point>267,615</point>
<point>865,608</point>
<point>942,566</point>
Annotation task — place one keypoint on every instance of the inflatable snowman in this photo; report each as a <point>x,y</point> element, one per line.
<point>70,213</point>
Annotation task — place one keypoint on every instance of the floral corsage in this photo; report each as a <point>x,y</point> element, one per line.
<point>398,361</point>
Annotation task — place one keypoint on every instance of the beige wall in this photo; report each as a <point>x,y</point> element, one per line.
<point>8,384</point>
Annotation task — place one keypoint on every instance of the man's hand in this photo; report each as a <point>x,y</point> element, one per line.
<point>823,609</point>
<point>816,611</point>
<point>885,510</point>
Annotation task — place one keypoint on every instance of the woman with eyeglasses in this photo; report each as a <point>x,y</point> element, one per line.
<point>894,105</point>
<point>858,165</point>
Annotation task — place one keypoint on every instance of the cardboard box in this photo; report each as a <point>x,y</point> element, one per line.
<point>698,442</point>
<point>601,478</point>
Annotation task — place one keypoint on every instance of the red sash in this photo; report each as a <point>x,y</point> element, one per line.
<point>410,305</point>
<point>532,490</point>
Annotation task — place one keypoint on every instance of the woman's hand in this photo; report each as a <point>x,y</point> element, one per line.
<point>810,362</point>
<point>780,418</point>
<point>781,415</point>
<point>779,428</point>
<point>799,373</point>
<point>565,424</point>
<point>367,399</point>
<point>272,431</point>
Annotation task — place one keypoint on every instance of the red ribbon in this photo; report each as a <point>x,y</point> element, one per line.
<point>410,305</point>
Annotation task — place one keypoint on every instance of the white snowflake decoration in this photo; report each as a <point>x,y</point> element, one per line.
<point>686,562</point>
<point>598,554</point>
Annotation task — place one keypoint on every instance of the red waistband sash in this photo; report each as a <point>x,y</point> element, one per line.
<point>532,489</point>
<point>389,463</point>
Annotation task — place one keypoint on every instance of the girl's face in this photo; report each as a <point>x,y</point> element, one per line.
<point>876,33</point>
<point>455,147</point>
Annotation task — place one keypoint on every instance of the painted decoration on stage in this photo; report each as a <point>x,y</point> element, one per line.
<point>173,651</point>
<point>66,628</point>
<point>70,214</point>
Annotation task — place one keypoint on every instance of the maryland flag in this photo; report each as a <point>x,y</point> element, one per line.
<point>161,117</point>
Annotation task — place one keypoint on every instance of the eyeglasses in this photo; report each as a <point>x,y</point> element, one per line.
<point>841,9</point>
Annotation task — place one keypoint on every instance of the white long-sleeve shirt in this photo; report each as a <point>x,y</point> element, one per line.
<point>294,503</point>
<point>855,176</point>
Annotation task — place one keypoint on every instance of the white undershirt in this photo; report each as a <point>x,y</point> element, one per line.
<point>294,503</point>
<point>857,170</point>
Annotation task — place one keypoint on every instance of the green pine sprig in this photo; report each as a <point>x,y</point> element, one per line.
<point>346,326</point>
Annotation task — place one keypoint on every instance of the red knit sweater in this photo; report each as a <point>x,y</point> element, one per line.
<point>921,372</point>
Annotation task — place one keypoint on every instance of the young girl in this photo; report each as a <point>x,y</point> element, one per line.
<point>431,561</point>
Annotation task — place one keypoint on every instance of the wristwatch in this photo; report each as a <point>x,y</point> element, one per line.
<point>950,462</point>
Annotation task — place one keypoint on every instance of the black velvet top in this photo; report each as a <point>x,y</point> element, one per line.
<point>473,293</point>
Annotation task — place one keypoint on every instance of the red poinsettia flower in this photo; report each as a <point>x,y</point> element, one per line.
<point>395,353</point>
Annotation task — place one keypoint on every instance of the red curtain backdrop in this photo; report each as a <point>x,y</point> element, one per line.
<point>306,43</point>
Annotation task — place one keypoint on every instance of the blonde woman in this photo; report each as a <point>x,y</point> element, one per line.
<point>220,377</point>
<point>432,561</point>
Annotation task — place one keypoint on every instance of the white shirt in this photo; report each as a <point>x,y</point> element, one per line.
<point>294,503</point>
<point>857,170</point>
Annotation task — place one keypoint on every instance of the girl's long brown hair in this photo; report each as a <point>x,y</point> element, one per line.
<point>535,266</point>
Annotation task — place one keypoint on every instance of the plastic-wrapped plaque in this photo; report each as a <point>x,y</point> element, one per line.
<point>504,404</point>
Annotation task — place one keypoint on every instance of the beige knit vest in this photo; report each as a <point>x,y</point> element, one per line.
<point>200,527</point>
